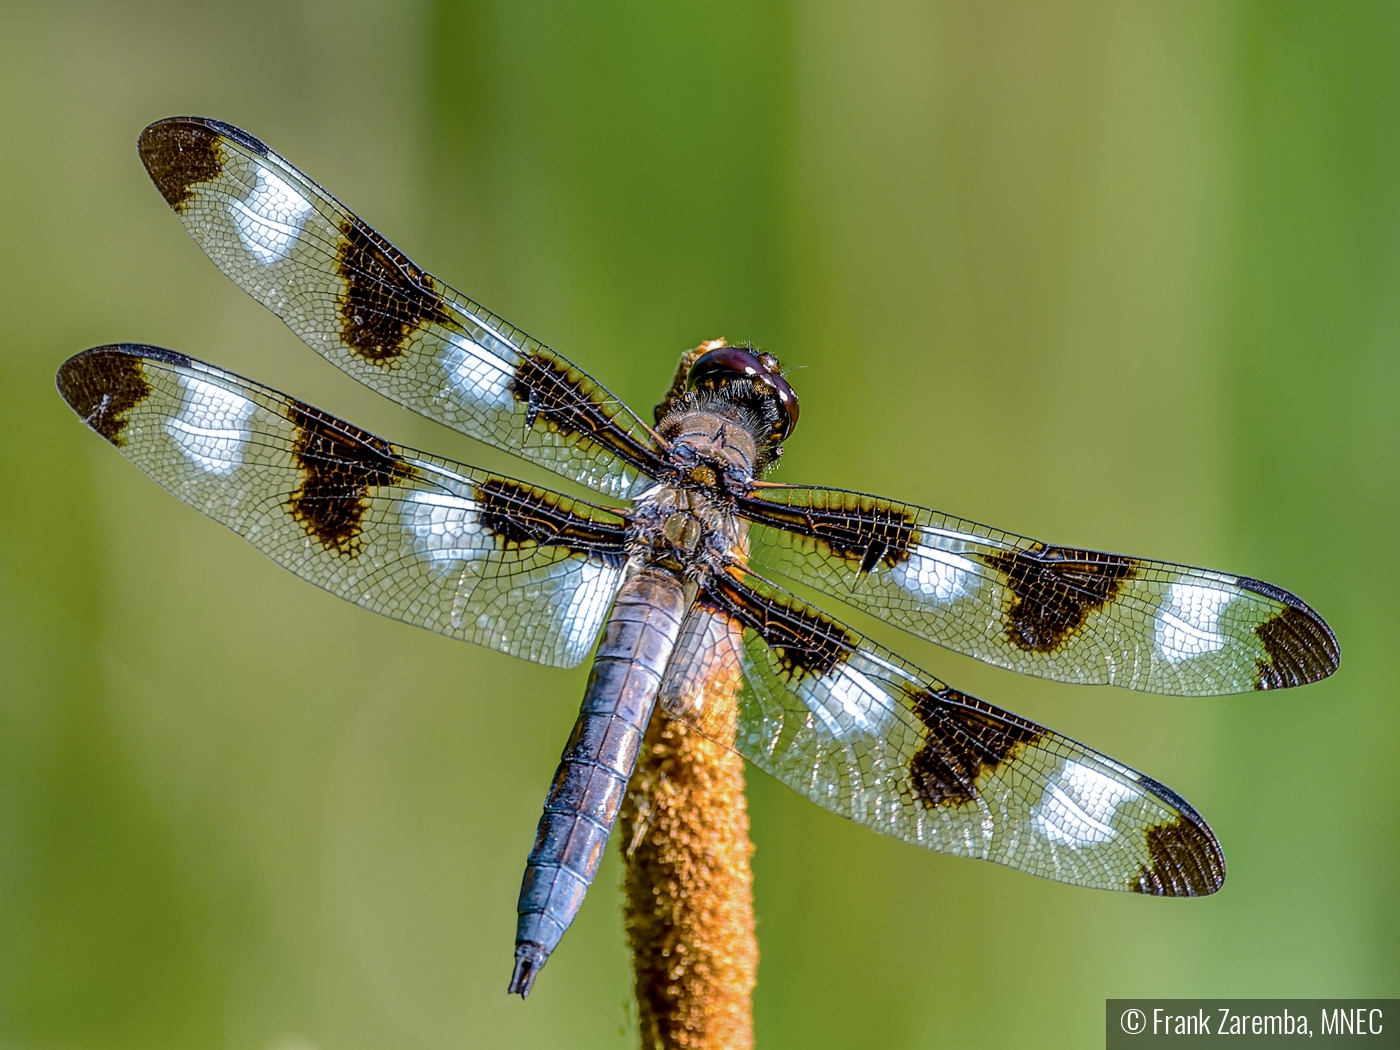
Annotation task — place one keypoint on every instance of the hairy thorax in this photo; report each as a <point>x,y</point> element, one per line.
<point>689,526</point>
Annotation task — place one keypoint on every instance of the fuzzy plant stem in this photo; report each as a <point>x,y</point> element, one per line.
<point>689,893</point>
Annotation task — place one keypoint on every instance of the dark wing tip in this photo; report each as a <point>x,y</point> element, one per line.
<point>105,383</point>
<point>1301,647</point>
<point>179,152</point>
<point>171,127</point>
<point>1185,858</point>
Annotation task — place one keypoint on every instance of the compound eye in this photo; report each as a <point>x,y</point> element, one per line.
<point>725,364</point>
<point>717,367</point>
<point>787,407</point>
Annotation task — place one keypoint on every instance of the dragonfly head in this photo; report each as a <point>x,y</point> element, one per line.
<point>752,379</point>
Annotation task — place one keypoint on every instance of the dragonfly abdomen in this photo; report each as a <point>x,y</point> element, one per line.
<point>597,762</point>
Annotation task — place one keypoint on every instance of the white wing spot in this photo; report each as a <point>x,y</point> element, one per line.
<point>935,569</point>
<point>588,605</point>
<point>269,219</point>
<point>1078,805</point>
<point>1189,624</point>
<point>477,374</point>
<point>849,704</point>
<point>445,528</point>
<point>211,428</point>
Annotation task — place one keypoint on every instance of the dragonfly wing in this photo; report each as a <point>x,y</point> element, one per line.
<point>864,734</point>
<point>1056,612</point>
<point>363,305</point>
<point>468,554</point>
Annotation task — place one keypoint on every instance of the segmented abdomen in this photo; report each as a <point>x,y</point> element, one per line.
<point>596,765</point>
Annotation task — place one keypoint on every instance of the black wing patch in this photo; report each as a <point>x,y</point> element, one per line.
<point>967,741</point>
<point>104,391</point>
<point>861,531</point>
<point>340,464</point>
<point>386,298</point>
<point>1053,591</point>
<point>803,642</point>
<point>1300,648</point>
<point>522,516</point>
<point>187,154</point>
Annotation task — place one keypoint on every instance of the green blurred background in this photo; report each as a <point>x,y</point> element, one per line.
<point>1122,275</point>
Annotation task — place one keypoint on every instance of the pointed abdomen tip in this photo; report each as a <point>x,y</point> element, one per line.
<point>529,958</point>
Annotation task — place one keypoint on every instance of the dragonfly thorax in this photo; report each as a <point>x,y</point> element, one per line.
<point>690,530</point>
<point>711,449</point>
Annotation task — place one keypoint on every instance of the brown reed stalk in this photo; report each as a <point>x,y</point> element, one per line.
<point>689,893</point>
<point>687,882</point>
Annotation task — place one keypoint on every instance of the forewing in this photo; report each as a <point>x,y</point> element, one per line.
<point>863,734</point>
<point>363,305</point>
<point>1056,612</point>
<point>468,554</point>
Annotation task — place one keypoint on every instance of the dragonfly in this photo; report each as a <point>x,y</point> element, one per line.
<point>677,579</point>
